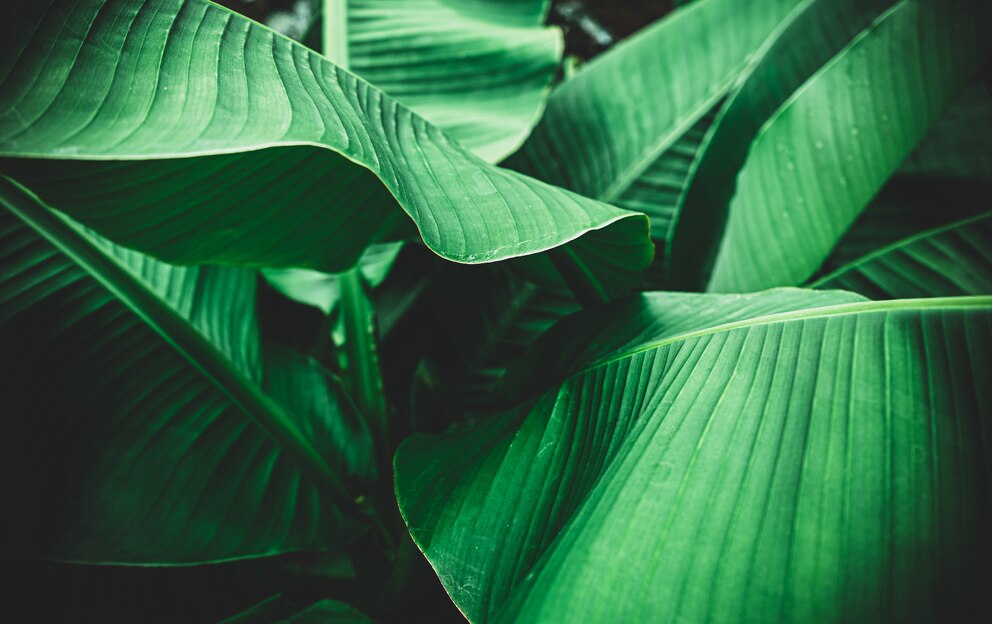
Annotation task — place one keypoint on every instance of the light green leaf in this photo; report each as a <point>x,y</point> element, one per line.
<point>190,133</point>
<point>626,127</point>
<point>783,63</point>
<point>801,465</point>
<point>187,460</point>
<point>481,70</point>
<point>821,136</point>
<point>949,261</point>
<point>323,290</point>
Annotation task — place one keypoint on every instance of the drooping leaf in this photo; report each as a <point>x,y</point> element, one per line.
<point>481,70</point>
<point>953,260</point>
<point>150,120</point>
<point>625,128</point>
<point>823,122</point>
<point>185,460</point>
<point>323,290</point>
<point>800,464</point>
<point>782,64</point>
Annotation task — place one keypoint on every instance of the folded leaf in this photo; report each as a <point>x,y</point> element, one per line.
<point>953,260</point>
<point>185,459</point>
<point>823,122</point>
<point>190,133</point>
<point>807,39</point>
<point>822,464</point>
<point>626,127</point>
<point>323,290</point>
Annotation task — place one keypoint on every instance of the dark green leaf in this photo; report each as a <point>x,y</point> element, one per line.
<point>185,459</point>
<point>949,261</point>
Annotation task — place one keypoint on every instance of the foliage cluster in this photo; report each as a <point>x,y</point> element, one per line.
<point>699,330</point>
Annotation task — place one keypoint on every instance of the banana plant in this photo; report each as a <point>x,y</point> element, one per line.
<point>405,321</point>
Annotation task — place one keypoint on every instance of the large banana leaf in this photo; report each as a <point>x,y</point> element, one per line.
<point>481,70</point>
<point>785,456</point>
<point>152,120</point>
<point>839,114</point>
<point>781,66</point>
<point>186,459</point>
<point>944,181</point>
<point>949,261</point>
<point>626,127</point>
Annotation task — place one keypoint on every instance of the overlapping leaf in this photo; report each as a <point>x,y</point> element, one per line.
<point>152,120</point>
<point>481,70</point>
<point>627,126</point>
<point>822,138</point>
<point>183,458</point>
<point>723,458</point>
<point>949,261</point>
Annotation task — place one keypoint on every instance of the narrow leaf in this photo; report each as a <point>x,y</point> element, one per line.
<point>950,261</point>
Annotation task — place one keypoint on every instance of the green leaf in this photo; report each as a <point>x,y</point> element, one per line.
<point>823,121</point>
<point>907,206</point>
<point>322,409</point>
<point>323,290</point>
<point>797,463</point>
<point>783,63</point>
<point>359,356</point>
<point>481,70</point>
<point>277,610</point>
<point>150,120</point>
<point>186,460</point>
<point>626,127</point>
<point>949,261</point>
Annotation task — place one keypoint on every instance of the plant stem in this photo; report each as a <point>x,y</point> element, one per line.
<point>362,361</point>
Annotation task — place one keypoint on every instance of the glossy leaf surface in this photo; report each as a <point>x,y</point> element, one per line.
<point>949,261</point>
<point>626,127</point>
<point>785,456</point>
<point>820,157</point>
<point>151,119</point>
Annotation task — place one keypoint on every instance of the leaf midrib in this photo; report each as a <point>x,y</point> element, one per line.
<point>896,246</point>
<point>846,309</point>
